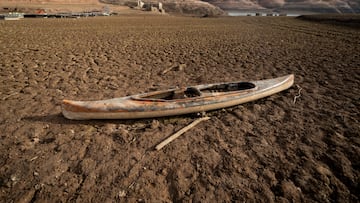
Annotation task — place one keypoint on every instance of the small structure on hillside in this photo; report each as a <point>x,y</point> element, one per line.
<point>151,7</point>
<point>12,16</point>
<point>106,11</point>
<point>140,4</point>
<point>161,9</point>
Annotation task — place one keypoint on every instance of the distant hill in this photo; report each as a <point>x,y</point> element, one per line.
<point>214,7</point>
<point>183,7</point>
<point>53,1</point>
<point>317,6</point>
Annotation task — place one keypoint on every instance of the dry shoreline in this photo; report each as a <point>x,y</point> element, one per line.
<point>271,150</point>
<point>350,20</point>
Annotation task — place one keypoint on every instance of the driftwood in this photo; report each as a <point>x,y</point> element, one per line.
<point>175,68</point>
<point>10,95</point>
<point>299,93</point>
<point>180,132</point>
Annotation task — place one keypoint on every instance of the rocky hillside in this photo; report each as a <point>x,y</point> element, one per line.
<point>184,7</point>
<point>216,7</point>
<point>318,6</point>
<point>313,6</point>
<point>53,1</point>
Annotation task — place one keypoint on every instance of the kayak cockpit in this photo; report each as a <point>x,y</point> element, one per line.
<point>195,92</point>
<point>229,87</point>
<point>175,94</point>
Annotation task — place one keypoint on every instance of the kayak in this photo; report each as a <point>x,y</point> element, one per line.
<point>176,101</point>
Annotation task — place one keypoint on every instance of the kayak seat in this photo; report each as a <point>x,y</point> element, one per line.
<point>229,87</point>
<point>189,92</point>
<point>192,92</point>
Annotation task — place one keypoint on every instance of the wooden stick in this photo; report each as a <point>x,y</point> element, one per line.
<point>168,69</point>
<point>179,67</point>
<point>85,73</point>
<point>298,95</point>
<point>10,95</point>
<point>180,132</point>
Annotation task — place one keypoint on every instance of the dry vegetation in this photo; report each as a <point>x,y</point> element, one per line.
<point>271,150</point>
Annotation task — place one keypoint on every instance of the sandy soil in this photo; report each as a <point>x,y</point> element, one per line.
<point>270,150</point>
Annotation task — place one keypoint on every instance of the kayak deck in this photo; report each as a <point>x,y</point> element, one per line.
<point>194,92</point>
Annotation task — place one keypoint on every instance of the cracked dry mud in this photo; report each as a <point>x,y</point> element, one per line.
<point>270,150</point>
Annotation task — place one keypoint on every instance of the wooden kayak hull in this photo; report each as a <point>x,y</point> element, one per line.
<point>148,106</point>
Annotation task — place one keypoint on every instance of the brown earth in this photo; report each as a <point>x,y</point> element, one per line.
<point>270,150</point>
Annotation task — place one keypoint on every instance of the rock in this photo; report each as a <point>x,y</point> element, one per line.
<point>290,191</point>
<point>180,67</point>
<point>155,124</point>
<point>122,193</point>
<point>26,197</point>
